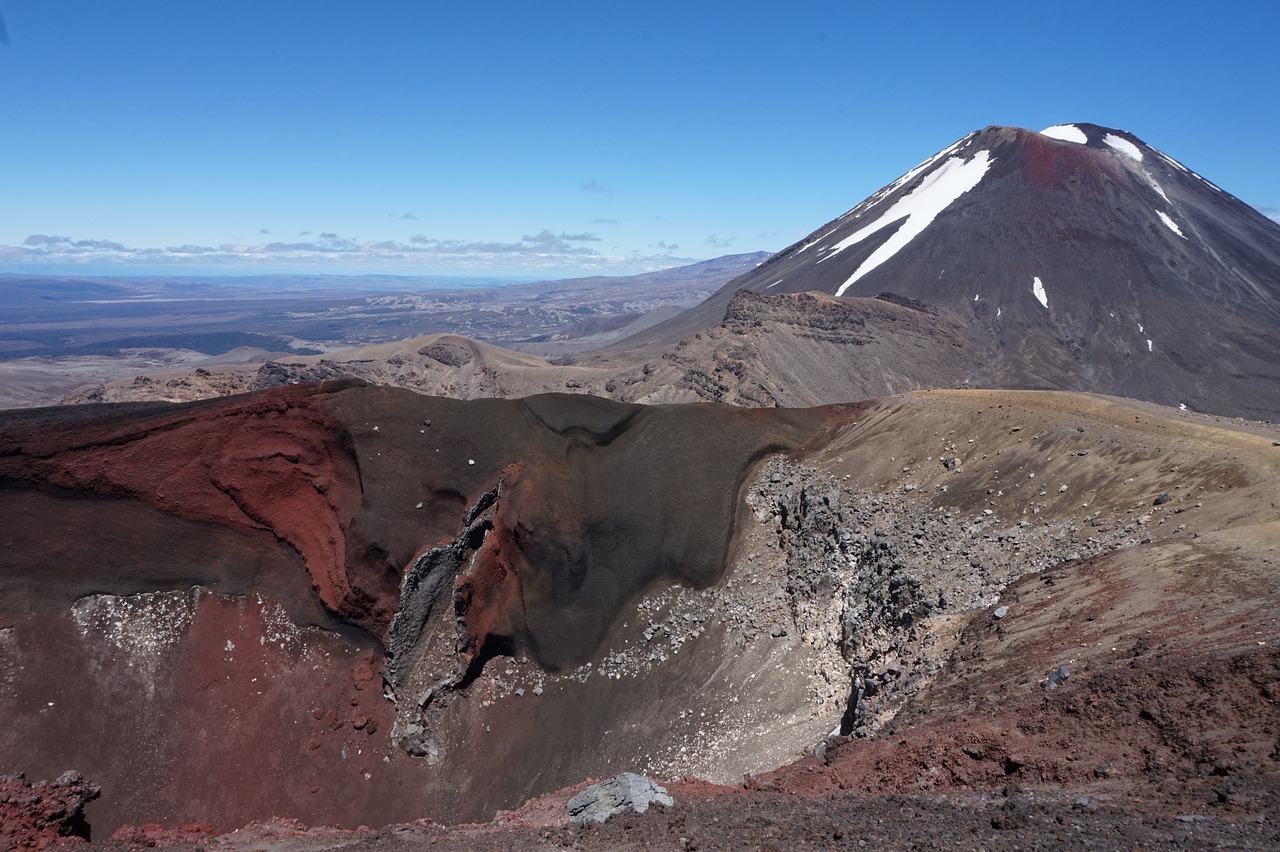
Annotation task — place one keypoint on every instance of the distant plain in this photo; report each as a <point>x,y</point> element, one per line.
<point>62,333</point>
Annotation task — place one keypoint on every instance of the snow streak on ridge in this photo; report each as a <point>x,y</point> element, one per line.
<point>883,193</point>
<point>921,206</point>
<point>1172,225</point>
<point>1124,146</point>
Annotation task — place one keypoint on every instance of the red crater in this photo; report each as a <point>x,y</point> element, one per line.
<point>273,462</point>
<point>165,568</point>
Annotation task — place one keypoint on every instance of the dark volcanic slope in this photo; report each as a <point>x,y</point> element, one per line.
<point>1083,258</point>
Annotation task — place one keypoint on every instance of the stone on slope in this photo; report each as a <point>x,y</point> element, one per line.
<point>42,815</point>
<point>625,792</point>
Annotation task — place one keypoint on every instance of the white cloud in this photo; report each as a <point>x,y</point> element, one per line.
<point>543,250</point>
<point>594,185</point>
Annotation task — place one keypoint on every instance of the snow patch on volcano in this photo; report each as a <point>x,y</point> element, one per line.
<point>1155,184</point>
<point>1172,225</point>
<point>1065,133</point>
<point>921,206</point>
<point>817,240</point>
<point>1171,161</point>
<point>1124,146</point>
<point>1037,289</point>
<point>879,196</point>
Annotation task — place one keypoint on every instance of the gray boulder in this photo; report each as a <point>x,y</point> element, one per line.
<point>625,792</point>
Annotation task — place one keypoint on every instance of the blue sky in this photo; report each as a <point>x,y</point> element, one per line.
<point>562,138</point>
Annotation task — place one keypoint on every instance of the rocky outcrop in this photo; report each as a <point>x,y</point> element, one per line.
<point>625,793</point>
<point>809,348</point>
<point>274,374</point>
<point>817,316</point>
<point>44,814</point>
<point>872,579</point>
<point>428,594</point>
<point>449,354</point>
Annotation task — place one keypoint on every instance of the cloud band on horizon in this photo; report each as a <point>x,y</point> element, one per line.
<point>542,250</point>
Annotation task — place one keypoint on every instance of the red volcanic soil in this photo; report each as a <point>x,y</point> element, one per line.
<point>225,714</point>
<point>487,592</point>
